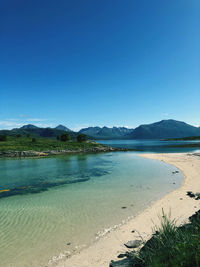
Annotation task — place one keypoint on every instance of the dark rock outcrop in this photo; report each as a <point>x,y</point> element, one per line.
<point>122,263</point>
<point>31,153</point>
<point>133,243</point>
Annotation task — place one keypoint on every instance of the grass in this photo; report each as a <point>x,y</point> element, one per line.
<point>171,246</point>
<point>43,144</point>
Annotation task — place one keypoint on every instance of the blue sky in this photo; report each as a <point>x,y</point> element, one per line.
<point>102,62</point>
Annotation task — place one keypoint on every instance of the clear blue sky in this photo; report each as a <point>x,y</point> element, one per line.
<point>99,62</point>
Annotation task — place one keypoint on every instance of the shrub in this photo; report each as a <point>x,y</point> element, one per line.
<point>81,137</point>
<point>3,138</point>
<point>33,140</point>
<point>170,246</point>
<point>19,135</point>
<point>65,137</point>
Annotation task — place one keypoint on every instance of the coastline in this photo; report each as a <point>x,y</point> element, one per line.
<point>33,153</point>
<point>177,203</point>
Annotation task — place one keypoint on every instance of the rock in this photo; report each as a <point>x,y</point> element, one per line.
<point>122,263</point>
<point>175,172</point>
<point>190,194</point>
<point>122,255</point>
<point>197,196</point>
<point>133,243</point>
<point>32,153</point>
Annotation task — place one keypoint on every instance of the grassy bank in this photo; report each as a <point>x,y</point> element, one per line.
<point>37,147</point>
<point>170,246</point>
<point>43,144</point>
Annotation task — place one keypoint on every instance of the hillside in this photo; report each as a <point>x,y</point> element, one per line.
<point>63,128</point>
<point>106,132</point>
<point>158,130</point>
<point>164,129</point>
<point>35,131</point>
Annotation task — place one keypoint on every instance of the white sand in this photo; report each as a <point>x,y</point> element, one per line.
<point>107,248</point>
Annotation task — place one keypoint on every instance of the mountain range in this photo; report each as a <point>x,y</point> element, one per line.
<point>158,130</point>
<point>35,131</point>
<point>106,132</point>
<point>164,129</point>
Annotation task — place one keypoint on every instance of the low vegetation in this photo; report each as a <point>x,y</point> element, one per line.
<point>170,246</point>
<point>44,144</point>
<point>81,138</point>
<point>3,138</point>
<point>64,137</point>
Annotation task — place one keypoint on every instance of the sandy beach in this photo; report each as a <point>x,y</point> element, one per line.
<point>177,203</point>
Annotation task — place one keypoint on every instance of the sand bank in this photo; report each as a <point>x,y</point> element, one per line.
<point>177,202</point>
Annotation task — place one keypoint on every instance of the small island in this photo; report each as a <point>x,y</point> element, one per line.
<point>186,145</point>
<point>189,138</point>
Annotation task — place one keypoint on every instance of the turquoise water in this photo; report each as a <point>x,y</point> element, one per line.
<point>50,221</point>
<point>156,146</point>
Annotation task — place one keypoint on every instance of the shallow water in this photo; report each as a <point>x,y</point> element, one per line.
<point>34,227</point>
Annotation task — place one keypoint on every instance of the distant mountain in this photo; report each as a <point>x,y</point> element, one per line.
<point>159,130</point>
<point>93,131</point>
<point>62,128</point>
<point>106,132</point>
<point>29,126</point>
<point>164,129</point>
<point>35,131</point>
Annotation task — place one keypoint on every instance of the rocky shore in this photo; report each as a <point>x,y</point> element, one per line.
<point>32,153</point>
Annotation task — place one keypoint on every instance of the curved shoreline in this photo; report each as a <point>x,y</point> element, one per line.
<point>37,154</point>
<point>176,202</point>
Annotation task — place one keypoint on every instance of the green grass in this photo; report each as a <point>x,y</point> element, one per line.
<point>171,246</point>
<point>43,144</point>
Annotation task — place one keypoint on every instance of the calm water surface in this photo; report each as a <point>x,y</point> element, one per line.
<point>36,229</point>
<point>156,146</point>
